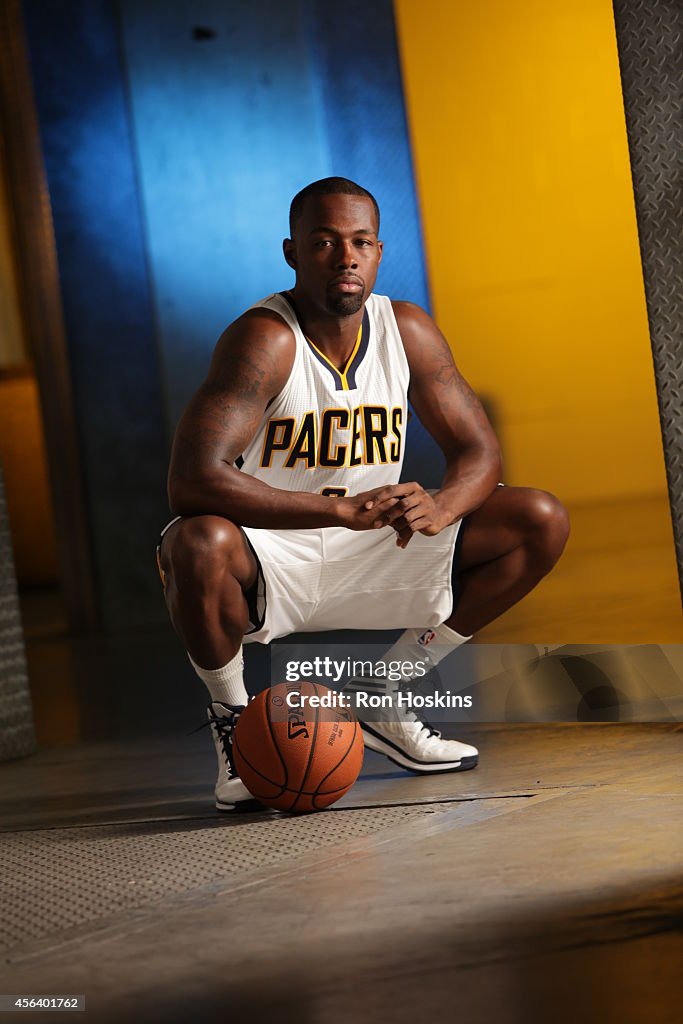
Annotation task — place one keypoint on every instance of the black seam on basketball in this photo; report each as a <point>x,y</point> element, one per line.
<point>273,737</point>
<point>339,763</point>
<point>257,772</point>
<point>356,732</point>
<point>311,752</point>
<point>305,792</point>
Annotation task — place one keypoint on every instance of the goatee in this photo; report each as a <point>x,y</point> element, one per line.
<point>345,305</point>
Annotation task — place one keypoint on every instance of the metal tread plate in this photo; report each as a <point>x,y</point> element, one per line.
<point>649,35</point>
<point>60,879</point>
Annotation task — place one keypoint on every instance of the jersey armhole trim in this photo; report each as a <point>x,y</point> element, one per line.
<point>266,304</point>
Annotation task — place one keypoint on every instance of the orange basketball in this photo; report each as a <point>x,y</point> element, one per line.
<point>294,755</point>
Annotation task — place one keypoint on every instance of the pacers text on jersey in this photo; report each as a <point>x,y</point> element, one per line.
<point>335,438</point>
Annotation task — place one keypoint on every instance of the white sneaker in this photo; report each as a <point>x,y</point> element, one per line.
<point>231,793</point>
<point>419,747</point>
<point>407,740</point>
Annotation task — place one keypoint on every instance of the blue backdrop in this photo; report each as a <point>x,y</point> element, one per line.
<point>175,134</point>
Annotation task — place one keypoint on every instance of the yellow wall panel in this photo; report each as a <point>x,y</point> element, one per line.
<point>24,464</point>
<point>12,343</point>
<point>521,158</point>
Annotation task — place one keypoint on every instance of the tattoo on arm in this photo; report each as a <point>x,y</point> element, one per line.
<point>223,416</point>
<point>441,397</point>
<point>451,391</point>
<point>455,386</point>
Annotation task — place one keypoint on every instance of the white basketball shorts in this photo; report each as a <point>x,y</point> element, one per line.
<point>334,578</point>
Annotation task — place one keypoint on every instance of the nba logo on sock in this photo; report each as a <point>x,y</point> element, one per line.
<point>426,637</point>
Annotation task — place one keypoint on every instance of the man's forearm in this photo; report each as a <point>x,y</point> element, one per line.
<point>249,502</point>
<point>468,481</point>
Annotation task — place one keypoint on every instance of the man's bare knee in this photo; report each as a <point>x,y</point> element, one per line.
<point>203,548</point>
<point>546,523</point>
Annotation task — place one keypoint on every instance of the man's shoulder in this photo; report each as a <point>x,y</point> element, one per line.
<point>265,320</point>
<point>401,307</point>
<point>259,336</point>
<point>407,310</point>
<point>276,302</point>
<point>412,320</point>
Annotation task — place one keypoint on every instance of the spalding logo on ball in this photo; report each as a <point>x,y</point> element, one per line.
<point>297,758</point>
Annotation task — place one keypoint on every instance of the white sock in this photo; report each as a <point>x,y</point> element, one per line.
<point>225,684</point>
<point>430,645</point>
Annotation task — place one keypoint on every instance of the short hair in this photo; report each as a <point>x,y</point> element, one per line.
<point>327,187</point>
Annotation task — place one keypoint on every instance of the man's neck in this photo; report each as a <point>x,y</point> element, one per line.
<point>334,335</point>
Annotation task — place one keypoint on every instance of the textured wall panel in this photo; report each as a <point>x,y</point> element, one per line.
<point>358,79</point>
<point>90,164</point>
<point>650,40</point>
<point>364,121</point>
<point>174,136</point>
<point>16,721</point>
<point>226,131</point>
<point>235,107</point>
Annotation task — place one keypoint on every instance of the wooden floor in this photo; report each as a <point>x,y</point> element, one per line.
<point>615,584</point>
<point>543,887</point>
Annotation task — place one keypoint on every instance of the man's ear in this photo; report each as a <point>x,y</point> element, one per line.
<point>289,249</point>
<point>380,246</point>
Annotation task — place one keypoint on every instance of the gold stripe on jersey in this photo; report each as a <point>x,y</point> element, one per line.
<point>340,374</point>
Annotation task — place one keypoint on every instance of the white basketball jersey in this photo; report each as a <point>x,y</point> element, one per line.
<point>336,431</point>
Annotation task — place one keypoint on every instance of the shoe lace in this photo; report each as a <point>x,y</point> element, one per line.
<point>413,716</point>
<point>401,687</point>
<point>225,728</point>
<point>423,723</point>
